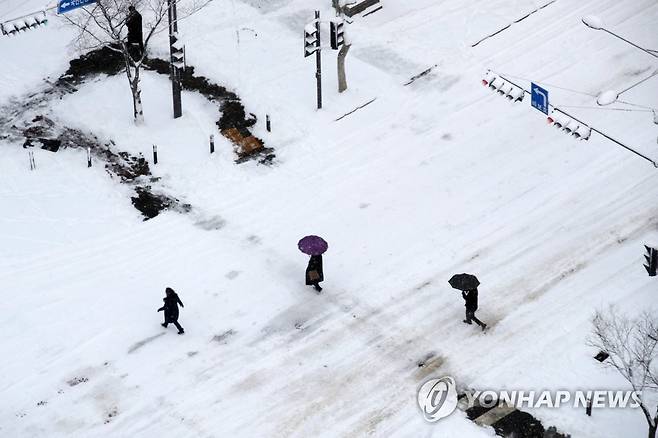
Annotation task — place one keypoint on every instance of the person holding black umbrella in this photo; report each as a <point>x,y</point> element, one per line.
<point>468,285</point>
<point>471,302</point>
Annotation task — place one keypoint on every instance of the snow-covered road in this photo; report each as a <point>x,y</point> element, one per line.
<point>434,178</point>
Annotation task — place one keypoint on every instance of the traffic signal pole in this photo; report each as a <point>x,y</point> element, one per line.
<point>318,60</point>
<point>174,71</point>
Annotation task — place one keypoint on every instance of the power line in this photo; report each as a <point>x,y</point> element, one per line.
<point>584,93</point>
<point>648,110</point>
<point>551,85</point>
<point>619,143</point>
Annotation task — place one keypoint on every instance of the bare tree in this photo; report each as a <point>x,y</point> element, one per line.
<point>339,6</point>
<point>632,344</point>
<point>103,24</point>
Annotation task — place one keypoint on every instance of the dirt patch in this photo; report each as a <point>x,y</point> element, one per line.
<point>101,61</point>
<point>151,204</point>
<point>110,415</point>
<point>137,345</point>
<point>234,122</point>
<point>223,338</point>
<point>428,365</point>
<point>45,133</point>
<point>76,381</point>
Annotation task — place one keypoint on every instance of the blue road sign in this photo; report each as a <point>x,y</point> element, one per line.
<point>64,6</point>
<point>539,98</point>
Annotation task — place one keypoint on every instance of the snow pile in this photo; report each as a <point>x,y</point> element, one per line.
<point>426,180</point>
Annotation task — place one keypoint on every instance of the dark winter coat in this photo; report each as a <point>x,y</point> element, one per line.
<point>471,298</point>
<point>134,24</point>
<point>314,264</point>
<point>170,307</point>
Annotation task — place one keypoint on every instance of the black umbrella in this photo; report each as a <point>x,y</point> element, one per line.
<point>464,281</point>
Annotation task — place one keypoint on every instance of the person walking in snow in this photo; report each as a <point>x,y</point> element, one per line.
<point>314,272</point>
<point>135,35</point>
<point>471,302</point>
<point>170,307</point>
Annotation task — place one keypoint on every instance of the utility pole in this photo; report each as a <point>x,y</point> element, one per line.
<point>174,70</point>
<point>318,59</point>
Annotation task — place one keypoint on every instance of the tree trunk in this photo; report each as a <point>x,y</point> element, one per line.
<point>133,80</point>
<point>342,78</point>
<point>132,73</point>
<point>653,422</point>
<point>138,111</point>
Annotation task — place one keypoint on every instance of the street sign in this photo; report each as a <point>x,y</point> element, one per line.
<point>64,6</point>
<point>539,98</point>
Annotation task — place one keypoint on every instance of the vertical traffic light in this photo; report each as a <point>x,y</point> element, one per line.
<point>337,33</point>
<point>652,260</point>
<point>177,52</point>
<point>177,58</point>
<point>311,39</point>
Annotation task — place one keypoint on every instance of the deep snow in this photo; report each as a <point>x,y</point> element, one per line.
<point>434,178</point>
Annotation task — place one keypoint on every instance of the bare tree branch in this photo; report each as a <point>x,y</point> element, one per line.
<point>105,25</point>
<point>633,348</point>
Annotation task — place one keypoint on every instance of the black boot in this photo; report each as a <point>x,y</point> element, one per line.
<point>317,287</point>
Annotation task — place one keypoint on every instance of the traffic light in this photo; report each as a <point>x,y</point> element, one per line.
<point>569,125</point>
<point>337,33</point>
<point>311,39</point>
<point>177,51</point>
<point>26,22</point>
<point>503,87</point>
<point>652,260</point>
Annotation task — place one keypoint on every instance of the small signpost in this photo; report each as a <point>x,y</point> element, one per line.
<point>64,6</point>
<point>539,98</point>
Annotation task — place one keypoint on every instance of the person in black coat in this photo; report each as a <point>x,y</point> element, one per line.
<point>135,36</point>
<point>314,272</point>
<point>471,299</point>
<point>170,307</point>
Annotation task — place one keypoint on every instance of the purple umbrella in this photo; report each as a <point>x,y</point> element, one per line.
<point>313,245</point>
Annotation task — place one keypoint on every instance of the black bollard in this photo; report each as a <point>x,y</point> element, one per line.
<point>212,144</point>
<point>588,409</point>
<point>155,154</point>
<point>268,125</point>
<point>88,157</point>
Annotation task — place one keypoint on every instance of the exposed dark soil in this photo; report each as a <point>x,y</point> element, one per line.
<point>133,170</point>
<point>151,204</point>
<point>101,61</point>
<point>44,133</point>
<point>233,114</point>
<point>110,62</point>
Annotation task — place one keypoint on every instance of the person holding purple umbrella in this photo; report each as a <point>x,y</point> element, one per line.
<point>314,246</point>
<point>314,272</point>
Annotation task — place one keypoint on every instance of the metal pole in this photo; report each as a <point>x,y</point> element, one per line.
<point>174,73</point>
<point>631,43</point>
<point>654,162</point>
<point>318,59</point>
